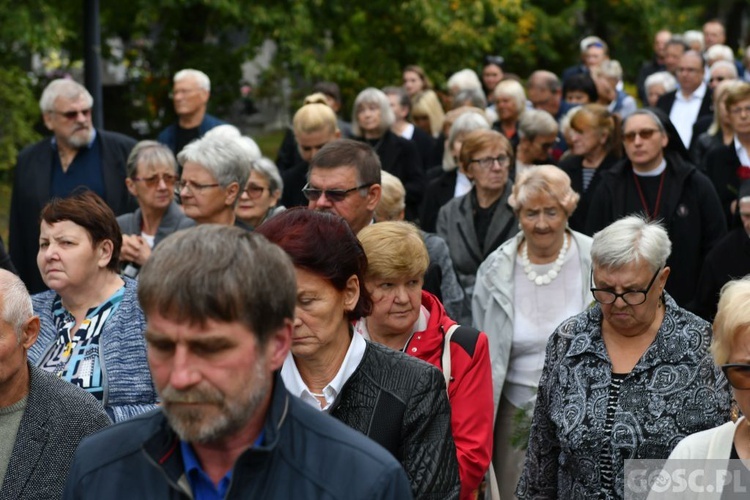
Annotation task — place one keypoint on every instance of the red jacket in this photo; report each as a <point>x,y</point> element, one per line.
<point>469,391</point>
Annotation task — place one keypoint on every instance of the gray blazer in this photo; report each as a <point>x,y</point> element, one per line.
<point>173,220</point>
<point>455,224</point>
<point>57,416</point>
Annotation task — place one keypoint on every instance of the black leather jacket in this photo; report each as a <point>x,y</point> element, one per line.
<point>401,402</point>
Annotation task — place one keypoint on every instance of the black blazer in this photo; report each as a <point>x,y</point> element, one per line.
<point>426,147</point>
<point>720,165</point>
<point>31,191</point>
<point>294,180</point>
<point>439,191</point>
<point>666,102</point>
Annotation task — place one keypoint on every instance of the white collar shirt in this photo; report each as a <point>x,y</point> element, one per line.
<point>685,111</point>
<point>294,383</point>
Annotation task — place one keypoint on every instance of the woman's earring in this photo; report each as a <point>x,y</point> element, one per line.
<point>734,411</point>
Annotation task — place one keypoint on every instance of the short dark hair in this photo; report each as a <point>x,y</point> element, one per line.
<point>331,89</point>
<point>86,209</point>
<point>403,96</point>
<point>349,153</point>
<point>324,244</point>
<point>581,82</point>
<point>223,273</point>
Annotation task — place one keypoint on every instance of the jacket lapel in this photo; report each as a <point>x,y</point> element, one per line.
<point>501,227</point>
<point>465,227</point>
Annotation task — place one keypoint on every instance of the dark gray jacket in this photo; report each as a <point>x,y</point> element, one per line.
<point>57,416</point>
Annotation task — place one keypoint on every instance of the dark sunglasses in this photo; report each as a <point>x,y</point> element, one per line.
<point>333,195</point>
<point>645,133</point>
<point>72,115</point>
<point>738,375</point>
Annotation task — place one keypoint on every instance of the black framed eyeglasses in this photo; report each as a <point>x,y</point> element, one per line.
<point>488,162</point>
<point>332,195</point>
<point>631,297</point>
<point>738,375</point>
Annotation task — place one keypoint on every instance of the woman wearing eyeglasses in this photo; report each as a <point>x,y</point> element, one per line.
<point>524,290</point>
<point>731,352</point>
<point>626,379</point>
<point>475,224</point>
<point>657,181</point>
<point>152,174</point>
<point>260,199</point>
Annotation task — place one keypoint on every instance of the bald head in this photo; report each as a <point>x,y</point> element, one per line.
<point>544,91</point>
<point>690,72</point>
<point>713,33</point>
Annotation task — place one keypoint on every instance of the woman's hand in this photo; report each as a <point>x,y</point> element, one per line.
<point>134,249</point>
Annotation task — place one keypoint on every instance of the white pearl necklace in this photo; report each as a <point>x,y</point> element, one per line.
<point>549,276</point>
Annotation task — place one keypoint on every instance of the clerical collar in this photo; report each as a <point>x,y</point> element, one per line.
<point>653,173</point>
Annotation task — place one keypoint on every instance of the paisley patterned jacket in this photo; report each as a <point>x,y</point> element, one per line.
<point>674,390</point>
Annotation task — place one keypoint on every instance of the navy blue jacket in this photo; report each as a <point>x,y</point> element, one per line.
<point>305,454</point>
<point>168,136</point>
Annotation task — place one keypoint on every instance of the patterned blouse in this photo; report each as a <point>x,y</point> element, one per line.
<point>674,390</point>
<point>75,357</point>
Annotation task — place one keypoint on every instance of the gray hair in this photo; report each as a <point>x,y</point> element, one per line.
<point>720,52</point>
<point>470,97</point>
<point>268,169</point>
<point>199,76</point>
<point>513,89</point>
<point>15,301</point>
<point>225,158</point>
<point>611,68</point>
<point>536,122</point>
<point>149,153</point>
<point>66,88</point>
<point>729,66</point>
<point>371,95</point>
<point>663,78</point>
<point>630,240</point>
<point>464,79</point>
<point>222,273</point>
<point>694,36</point>
<point>467,122</point>
<point>645,112</point>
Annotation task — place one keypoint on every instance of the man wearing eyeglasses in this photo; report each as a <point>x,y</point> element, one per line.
<point>344,179</point>
<point>77,155</point>
<point>657,182</point>
<point>691,101</point>
<point>190,94</point>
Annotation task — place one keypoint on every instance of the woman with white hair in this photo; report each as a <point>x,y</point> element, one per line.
<point>626,379</point>
<point>260,198</point>
<point>510,103</point>
<point>372,118</point>
<point>659,84</point>
<point>524,289</point>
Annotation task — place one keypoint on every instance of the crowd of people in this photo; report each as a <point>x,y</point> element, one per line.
<point>500,290</point>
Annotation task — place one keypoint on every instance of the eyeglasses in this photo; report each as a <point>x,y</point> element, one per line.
<point>332,195</point>
<point>737,374</point>
<point>488,162</point>
<point>72,115</point>
<point>154,180</point>
<point>194,187</point>
<point>645,134</point>
<point>740,110</point>
<point>631,297</point>
<point>496,60</point>
<point>254,191</point>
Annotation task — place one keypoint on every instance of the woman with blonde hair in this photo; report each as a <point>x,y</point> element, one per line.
<point>595,141</point>
<point>427,112</point>
<point>406,318</point>
<point>524,289</point>
<point>720,132</point>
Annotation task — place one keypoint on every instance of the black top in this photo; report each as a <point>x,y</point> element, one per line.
<point>184,136</point>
